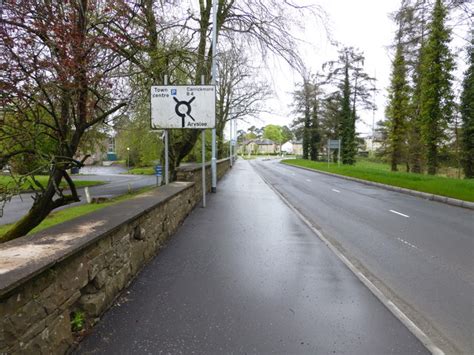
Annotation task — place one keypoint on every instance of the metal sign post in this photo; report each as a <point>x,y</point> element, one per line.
<point>334,144</point>
<point>236,147</point>
<point>203,178</point>
<point>203,158</point>
<point>167,163</point>
<point>329,153</point>
<point>158,174</point>
<point>339,154</point>
<point>214,80</point>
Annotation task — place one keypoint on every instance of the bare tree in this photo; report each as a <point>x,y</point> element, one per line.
<point>162,38</point>
<point>239,92</point>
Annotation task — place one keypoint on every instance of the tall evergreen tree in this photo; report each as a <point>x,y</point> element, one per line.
<point>329,118</point>
<point>398,107</point>
<point>347,121</point>
<point>355,88</point>
<point>415,145</point>
<point>307,120</point>
<point>315,133</point>
<point>467,116</point>
<point>412,19</point>
<point>306,106</point>
<point>436,100</point>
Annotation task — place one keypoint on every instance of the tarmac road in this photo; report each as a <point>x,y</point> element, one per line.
<point>247,276</point>
<point>116,184</point>
<point>420,252</point>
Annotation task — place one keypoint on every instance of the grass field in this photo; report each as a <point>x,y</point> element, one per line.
<point>74,212</point>
<point>378,172</point>
<point>7,181</point>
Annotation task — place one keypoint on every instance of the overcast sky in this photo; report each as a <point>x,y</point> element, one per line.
<point>363,24</point>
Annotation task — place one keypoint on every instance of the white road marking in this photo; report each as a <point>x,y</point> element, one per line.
<point>396,311</point>
<point>336,191</point>
<point>400,214</point>
<point>308,180</point>
<point>407,243</point>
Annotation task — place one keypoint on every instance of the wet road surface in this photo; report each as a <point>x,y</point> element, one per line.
<point>247,276</point>
<point>420,252</point>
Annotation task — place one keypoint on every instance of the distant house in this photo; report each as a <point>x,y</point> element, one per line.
<point>293,147</point>
<point>297,147</point>
<point>287,148</point>
<point>259,146</point>
<point>111,152</point>
<point>100,151</point>
<point>373,142</point>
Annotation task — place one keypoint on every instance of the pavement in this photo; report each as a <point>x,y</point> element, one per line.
<point>420,253</point>
<point>245,275</point>
<point>116,184</point>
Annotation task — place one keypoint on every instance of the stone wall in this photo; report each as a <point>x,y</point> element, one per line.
<point>193,172</point>
<point>75,270</point>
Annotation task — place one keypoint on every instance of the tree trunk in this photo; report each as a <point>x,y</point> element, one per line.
<point>38,212</point>
<point>41,208</point>
<point>432,159</point>
<point>394,166</point>
<point>180,144</point>
<point>395,156</point>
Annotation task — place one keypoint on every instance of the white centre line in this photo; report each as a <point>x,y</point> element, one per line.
<point>400,214</point>
<point>336,191</point>
<point>407,243</point>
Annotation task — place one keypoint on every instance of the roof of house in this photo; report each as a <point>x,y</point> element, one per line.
<point>260,142</point>
<point>265,142</point>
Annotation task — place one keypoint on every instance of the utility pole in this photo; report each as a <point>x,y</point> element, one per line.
<point>230,141</point>
<point>373,113</point>
<point>214,74</point>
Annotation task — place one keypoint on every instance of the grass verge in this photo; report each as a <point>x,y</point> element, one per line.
<point>455,188</point>
<point>70,213</point>
<point>7,181</point>
<point>149,170</point>
<point>263,156</point>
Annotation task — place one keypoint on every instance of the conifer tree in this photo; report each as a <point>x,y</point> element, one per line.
<point>347,121</point>
<point>436,99</point>
<point>307,120</point>
<point>398,107</point>
<point>355,86</point>
<point>306,106</point>
<point>412,19</point>
<point>315,133</point>
<point>415,145</point>
<point>467,116</point>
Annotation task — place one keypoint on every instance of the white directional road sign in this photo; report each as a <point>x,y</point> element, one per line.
<point>334,143</point>
<point>183,107</point>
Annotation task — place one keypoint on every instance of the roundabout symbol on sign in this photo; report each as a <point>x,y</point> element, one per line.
<point>186,105</point>
<point>183,107</point>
